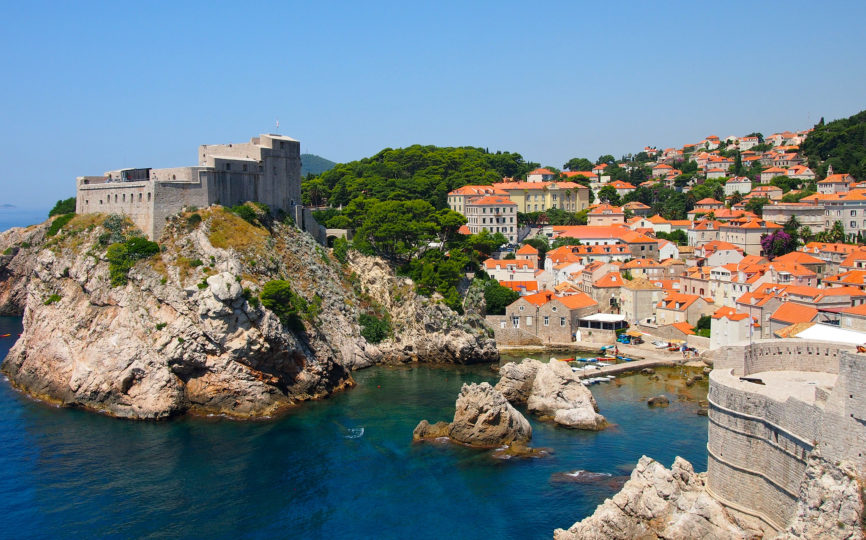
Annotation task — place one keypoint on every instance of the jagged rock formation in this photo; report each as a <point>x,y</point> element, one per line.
<point>187,333</point>
<point>425,330</point>
<point>482,418</point>
<point>674,504</point>
<point>552,391</point>
<point>659,503</point>
<point>515,382</point>
<point>830,503</point>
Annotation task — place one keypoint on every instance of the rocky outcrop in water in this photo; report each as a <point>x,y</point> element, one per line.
<point>482,418</point>
<point>516,378</point>
<point>552,391</point>
<point>659,503</point>
<point>187,332</point>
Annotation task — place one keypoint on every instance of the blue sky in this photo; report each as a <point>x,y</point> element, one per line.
<point>96,86</point>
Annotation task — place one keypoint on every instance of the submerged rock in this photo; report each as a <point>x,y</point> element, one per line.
<point>658,401</point>
<point>425,430</point>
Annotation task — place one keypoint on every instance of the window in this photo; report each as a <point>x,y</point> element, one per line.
<point>228,166</point>
<point>529,321</point>
<point>546,320</point>
<point>148,197</point>
<point>245,167</point>
<point>562,321</point>
<point>521,308</point>
<point>553,309</point>
<point>853,213</point>
<point>515,322</point>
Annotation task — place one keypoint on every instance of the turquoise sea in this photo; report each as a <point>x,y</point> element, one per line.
<point>67,473</point>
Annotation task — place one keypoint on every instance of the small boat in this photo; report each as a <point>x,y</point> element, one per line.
<point>566,359</point>
<point>603,364</point>
<point>6,335</point>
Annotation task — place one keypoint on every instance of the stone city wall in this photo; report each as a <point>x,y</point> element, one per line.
<point>758,446</point>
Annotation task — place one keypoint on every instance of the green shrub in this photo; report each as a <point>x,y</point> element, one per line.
<point>8,251</point>
<point>65,206</point>
<point>24,245</point>
<point>251,298</point>
<point>245,212</point>
<point>195,263</point>
<point>122,256</point>
<point>193,221</point>
<point>202,285</point>
<point>374,329</point>
<point>180,340</point>
<point>341,249</point>
<point>161,325</point>
<point>58,224</point>
<point>278,296</point>
<point>52,299</point>
<point>498,297</point>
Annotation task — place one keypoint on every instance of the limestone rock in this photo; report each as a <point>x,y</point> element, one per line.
<point>658,503</point>
<point>558,392</point>
<point>658,401</point>
<point>424,329</point>
<point>425,430</point>
<point>483,417</point>
<point>516,380</point>
<point>830,503</point>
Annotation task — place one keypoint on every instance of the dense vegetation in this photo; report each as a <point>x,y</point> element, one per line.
<point>65,206</point>
<point>313,164</point>
<point>840,143</point>
<point>278,296</point>
<point>59,223</point>
<point>122,256</point>
<point>417,172</point>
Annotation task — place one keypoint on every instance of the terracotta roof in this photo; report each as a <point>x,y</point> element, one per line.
<point>491,199</point>
<point>798,257</point>
<point>672,299</point>
<point>856,310</point>
<point>504,263</point>
<point>518,286</point>
<point>477,190</point>
<point>709,200</point>
<point>684,327</point>
<point>527,249</point>
<point>609,280</point>
<point>792,313</point>
<point>576,301</point>
<point>605,209</point>
<point>540,171</point>
<point>729,313</point>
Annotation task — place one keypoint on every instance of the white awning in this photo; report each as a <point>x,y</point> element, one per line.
<point>603,317</point>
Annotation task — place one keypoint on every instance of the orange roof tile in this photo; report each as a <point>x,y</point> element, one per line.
<point>684,327</point>
<point>792,313</point>
<point>527,249</point>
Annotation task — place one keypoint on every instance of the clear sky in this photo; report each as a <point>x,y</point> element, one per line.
<point>88,87</point>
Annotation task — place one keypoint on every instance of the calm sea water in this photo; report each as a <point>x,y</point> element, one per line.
<point>21,217</point>
<point>73,474</point>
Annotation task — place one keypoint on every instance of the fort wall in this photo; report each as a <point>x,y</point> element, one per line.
<point>770,404</point>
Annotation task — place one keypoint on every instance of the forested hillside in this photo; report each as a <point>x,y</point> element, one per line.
<point>416,172</point>
<point>840,143</point>
<point>313,164</point>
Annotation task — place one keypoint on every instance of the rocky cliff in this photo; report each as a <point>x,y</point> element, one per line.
<point>187,332</point>
<point>675,504</point>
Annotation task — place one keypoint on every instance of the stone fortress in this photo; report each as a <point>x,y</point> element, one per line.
<point>772,404</point>
<point>267,169</point>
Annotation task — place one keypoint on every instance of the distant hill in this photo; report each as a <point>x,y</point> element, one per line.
<point>840,143</point>
<point>313,164</point>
